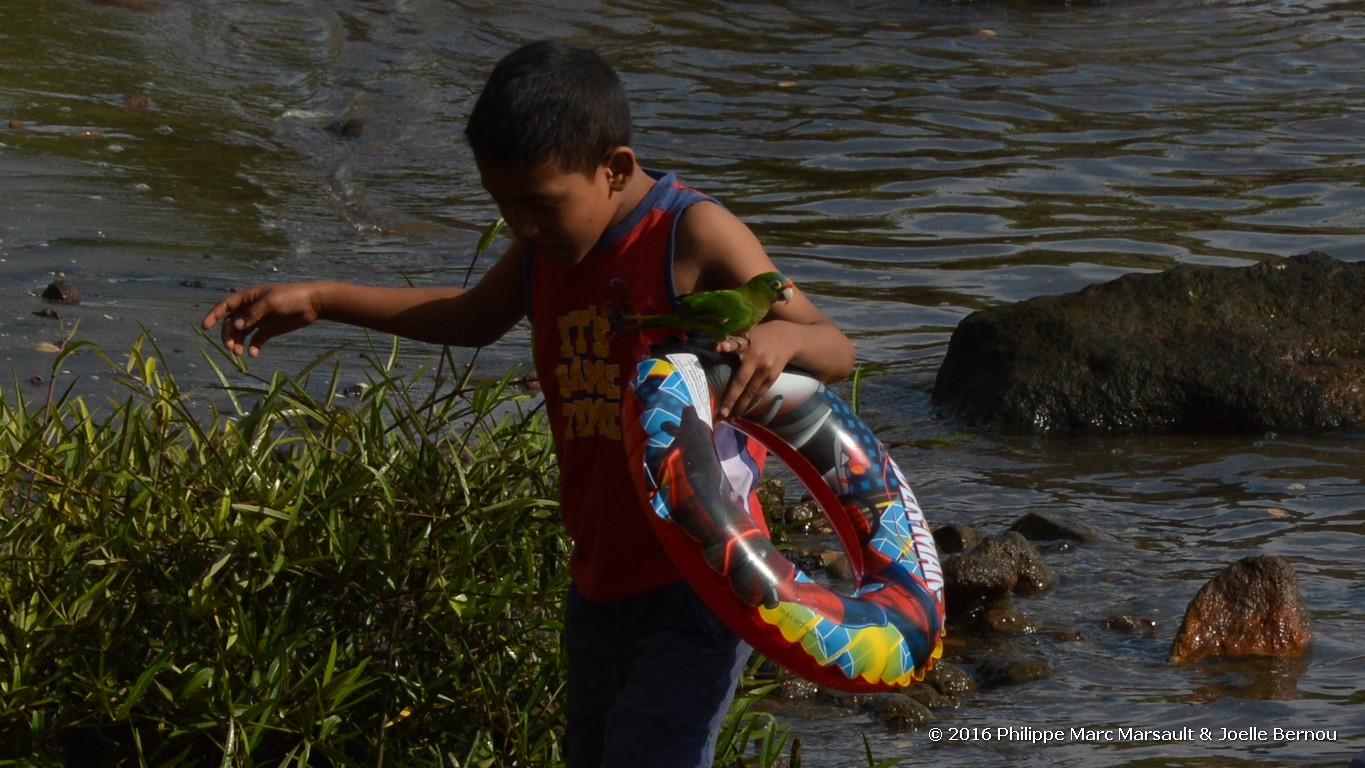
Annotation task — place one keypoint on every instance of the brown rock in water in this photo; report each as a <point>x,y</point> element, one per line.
<point>1253,608</point>
<point>900,713</point>
<point>62,292</point>
<point>1014,668</point>
<point>1279,345</point>
<point>953,538</point>
<point>1046,525</point>
<point>1127,624</point>
<point>950,680</point>
<point>928,696</point>
<point>1002,618</point>
<point>993,569</point>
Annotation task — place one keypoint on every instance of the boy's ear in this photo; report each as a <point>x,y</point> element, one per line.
<point>620,165</point>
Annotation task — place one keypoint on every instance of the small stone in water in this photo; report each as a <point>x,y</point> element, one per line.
<point>62,292</point>
<point>1144,626</point>
<point>1014,669</point>
<point>900,713</point>
<point>355,391</point>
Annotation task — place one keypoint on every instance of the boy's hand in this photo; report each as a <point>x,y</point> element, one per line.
<point>762,357</point>
<point>263,312</point>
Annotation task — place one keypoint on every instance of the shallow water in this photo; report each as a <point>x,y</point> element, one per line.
<point>905,162</point>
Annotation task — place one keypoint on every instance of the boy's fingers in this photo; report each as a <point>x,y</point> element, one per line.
<point>225,309</point>
<point>258,340</point>
<point>218,312</point>
<point>734,395</point>
<point>236,329</point>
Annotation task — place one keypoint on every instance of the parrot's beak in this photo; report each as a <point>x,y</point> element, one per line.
<point>785,295</point>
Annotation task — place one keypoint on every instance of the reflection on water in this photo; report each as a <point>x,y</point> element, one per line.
<point>906,162</point>
<point>1275,679</point>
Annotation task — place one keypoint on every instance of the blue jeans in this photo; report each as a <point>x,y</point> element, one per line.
<point>651,678</point>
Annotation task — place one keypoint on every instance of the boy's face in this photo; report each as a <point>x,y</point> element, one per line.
<point>563,213</point>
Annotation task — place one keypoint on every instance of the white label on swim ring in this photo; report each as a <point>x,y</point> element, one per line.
<point>694,380</point>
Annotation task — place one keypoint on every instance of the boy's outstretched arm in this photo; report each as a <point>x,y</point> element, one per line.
<point>717,250</point>
<point>439,315</point>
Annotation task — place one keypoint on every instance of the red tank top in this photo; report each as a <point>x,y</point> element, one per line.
<point>583,364</point>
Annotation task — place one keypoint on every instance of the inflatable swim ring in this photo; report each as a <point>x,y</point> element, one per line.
<point>884,635</point>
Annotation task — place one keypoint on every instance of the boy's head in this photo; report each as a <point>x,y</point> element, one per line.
<point>549,101</point>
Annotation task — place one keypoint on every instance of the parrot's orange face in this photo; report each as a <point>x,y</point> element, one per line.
<point>563,213</point>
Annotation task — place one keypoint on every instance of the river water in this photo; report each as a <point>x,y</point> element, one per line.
<point>905,162</point>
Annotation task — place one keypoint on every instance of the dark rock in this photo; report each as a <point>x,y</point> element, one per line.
<point>973,579</point>
<point>954,538</point>
<point>349,127</point>
<point>834,562</point>
<point>950,680</point>
<point>845,700</point>
<point>354,392</point>
<point>793,688</point>
<point>899,712</point>
<point>929,697</point>
<point>49,313</point>
<point>1124,624</point>
<point>1035,576</point>
<point>1275,346</point>
<point>1252,608</point>
<point>992,570</point>
<point>807,561</point>
<point>772,496</point>
<point>1002,618</point>
<point>1063,635</point>
<point>1047,525</point>
<point>62,291</point>
<point>806,516</point>
<point>1014,668</point>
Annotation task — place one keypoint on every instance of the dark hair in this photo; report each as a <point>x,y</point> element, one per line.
<point>546,101</point>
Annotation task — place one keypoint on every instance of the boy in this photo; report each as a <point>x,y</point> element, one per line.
<point>651,670</point>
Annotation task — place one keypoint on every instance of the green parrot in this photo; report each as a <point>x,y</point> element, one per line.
<point>721,314</point>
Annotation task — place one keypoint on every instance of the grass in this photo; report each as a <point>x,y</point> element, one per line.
<point>270,579</point>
